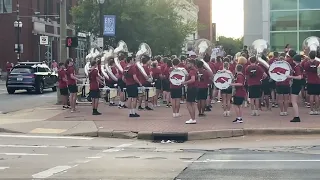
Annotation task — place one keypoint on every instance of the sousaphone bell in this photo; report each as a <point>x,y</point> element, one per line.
<point>259,48</point>
<point>203,47</point>
<point>144,50</point>
<point>121,47</point>
<point>311,44</point>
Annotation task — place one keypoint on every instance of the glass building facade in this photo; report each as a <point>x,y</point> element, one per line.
<point>292,21</point>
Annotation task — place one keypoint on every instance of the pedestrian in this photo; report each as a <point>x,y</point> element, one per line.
<point>239,94</point>
<point>95,82</point>
<point>63,85</point>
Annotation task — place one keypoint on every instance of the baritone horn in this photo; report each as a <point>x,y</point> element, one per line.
<point>144,50</point>
<point>203,47</point>
<point>108,56</point>
<point>311,44</point>
<point>121,48</point>
<point>260,48</point>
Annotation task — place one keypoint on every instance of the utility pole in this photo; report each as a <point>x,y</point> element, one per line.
<point>63,36</point>
<point>63,30</point>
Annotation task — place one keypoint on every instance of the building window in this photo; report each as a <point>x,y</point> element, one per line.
<point>309,4</point>
<point>305,35</point>
<point>308,20</point>
<point>283,4</point>
<point>279,39</point>
<point>38,6</point>
<point>283,20</point>
<point>5,6</point>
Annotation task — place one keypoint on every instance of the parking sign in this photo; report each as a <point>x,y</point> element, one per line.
<point>109,25</point>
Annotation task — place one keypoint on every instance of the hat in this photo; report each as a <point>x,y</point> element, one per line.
<point>297,58</point>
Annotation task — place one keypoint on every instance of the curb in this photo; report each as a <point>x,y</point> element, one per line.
<point>187,136</point>
<point>3,130</point>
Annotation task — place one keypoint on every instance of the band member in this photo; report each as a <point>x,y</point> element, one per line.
<point>265,85</point>
<point>191,91</point>
<point>283,91</point>
<point>95,82</point>
<point>272,83</point>
<point>72,84</point>
<point>313,84</point>
<point>145,64</point>
<point>254,75</point>
<point>132,83</point>
<point>183,65</point>
<point>166,83</point>
<point>156,75</point>
<point>240,93</point>
<point>111,83</point>
<point>175,92</point>
<point>211,86</point>
<point>218,64</point>
<point>203,83</point>
<point>121,84</point>
<point>63,85</point>
<point>296,86</point>
<point>226,93</point>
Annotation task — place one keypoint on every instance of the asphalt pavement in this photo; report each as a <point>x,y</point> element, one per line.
<point>63,157</point>
<point>22,100</point>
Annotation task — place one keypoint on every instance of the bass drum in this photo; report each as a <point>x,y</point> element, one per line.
<point>279,71</point>
<point>222,79</point>
<point>178,76</point>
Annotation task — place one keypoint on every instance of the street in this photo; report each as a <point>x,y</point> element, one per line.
<point>255,157</point>
<point>22,100</point>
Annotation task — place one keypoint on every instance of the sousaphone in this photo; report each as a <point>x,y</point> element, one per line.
<point>144,50</point>
<point>203,47</point>
<point>105,61</point>
<point>259,48</point>
<point>94,54</point>
<point>121,48</point>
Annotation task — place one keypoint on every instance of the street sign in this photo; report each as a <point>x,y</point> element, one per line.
<point>109,25</point>
<point>100,42</point>
<point>44,40</point>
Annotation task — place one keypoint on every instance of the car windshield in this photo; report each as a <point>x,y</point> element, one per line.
<point>22,70</point>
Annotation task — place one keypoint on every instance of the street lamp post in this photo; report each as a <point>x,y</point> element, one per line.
<point>18,26</point>
<point>101,2</point>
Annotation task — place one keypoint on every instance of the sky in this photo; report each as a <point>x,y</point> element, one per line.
<point>228,14</point>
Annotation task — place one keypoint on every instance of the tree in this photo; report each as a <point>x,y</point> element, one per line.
<point>231,45</point>
<point>155,22</point>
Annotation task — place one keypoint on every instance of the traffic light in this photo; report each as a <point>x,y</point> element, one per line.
<point>72,42</point>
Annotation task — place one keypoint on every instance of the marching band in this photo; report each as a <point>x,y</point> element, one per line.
<point>252,77</point>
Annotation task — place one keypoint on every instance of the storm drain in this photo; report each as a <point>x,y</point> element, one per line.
<point>170,137</point>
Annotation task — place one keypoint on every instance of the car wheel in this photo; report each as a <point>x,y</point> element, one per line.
<point>11,91</point>
<point>54,89</point>
<point>39,89</point>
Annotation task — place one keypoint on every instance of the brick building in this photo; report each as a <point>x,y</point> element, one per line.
<point>34,25</point>
<point>205,18</point>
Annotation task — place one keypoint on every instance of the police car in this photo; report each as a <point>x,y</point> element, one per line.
<point>31,76</point>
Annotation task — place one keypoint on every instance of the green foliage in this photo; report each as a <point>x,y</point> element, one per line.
<point>155,22</point>
<point>231,45</point>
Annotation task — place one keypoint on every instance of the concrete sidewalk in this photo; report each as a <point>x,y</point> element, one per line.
<point>157,124</point>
